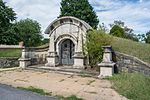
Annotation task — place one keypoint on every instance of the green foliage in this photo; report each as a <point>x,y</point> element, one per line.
<point>42,92</point>
<point>140,50</point>
<point>80,9</point>
<point>147,39</point>
<point>132,86</point>
<point>7,16</point>
<point>95,40</point>
<point>45,41</point>
<point>117,31</point>
<point>72,97</point>
<point>10,53</point>
<point>35,90</point>
<point>29,31</point>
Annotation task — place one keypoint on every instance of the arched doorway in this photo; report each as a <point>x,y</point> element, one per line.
<point>66,52</point>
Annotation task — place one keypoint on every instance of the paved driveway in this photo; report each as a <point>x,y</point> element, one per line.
<point>9,93</point>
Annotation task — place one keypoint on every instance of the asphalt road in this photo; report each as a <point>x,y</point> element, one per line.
<point>10,93</point>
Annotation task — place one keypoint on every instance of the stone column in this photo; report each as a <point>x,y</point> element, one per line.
<point>107,65</point>
<point>24,61</point>
<point>52,54</point>
<point>78,56</point>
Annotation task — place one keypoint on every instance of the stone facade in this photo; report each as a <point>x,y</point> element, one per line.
<point>9,62</point>
<point>67,40</point>
<point>126,63</point>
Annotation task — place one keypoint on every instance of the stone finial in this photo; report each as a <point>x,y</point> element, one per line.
<point>107,56</point>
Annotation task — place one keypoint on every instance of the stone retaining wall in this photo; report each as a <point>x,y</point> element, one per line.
<point>126,63</point>
<point>9,62</point>
<point>37,55</point>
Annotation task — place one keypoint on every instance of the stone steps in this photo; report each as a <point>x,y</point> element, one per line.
<point>64,70</point>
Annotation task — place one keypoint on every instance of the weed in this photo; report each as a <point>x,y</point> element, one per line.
<point>90,82</point>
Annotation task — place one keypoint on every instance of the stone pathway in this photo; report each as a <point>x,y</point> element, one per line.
<point>61,84</point>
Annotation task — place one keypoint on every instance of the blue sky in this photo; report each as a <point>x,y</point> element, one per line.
<point>135,13</point>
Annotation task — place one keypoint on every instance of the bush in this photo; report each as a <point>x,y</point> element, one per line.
<point>95,40</point>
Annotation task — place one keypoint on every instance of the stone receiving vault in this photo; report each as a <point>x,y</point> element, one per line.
<point>67,42</point>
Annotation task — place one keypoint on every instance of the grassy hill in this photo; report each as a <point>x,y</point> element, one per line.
<point>140,50</point>
<point>133,86</point>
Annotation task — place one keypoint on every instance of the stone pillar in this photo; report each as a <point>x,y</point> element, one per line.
<point>107,65</point>
<point>78,56</point>
<point>52,54</point>
<point>24,61</point>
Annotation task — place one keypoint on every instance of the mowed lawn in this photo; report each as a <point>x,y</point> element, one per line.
<point>10,53</point>
<point>139,50</point>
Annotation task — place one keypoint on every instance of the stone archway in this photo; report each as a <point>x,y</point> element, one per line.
<point>66,52</point>
<point>67,33</point>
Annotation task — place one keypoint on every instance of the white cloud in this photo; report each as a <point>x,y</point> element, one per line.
<point>135,14</point>
<point>141,0</point>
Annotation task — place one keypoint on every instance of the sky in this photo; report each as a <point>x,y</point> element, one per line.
<point>135,13</point>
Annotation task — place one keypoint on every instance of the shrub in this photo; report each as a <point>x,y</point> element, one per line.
<point>95,40</point>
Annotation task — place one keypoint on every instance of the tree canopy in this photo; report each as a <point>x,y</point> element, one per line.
<point>119,29</point>
<point>29,31</point>
<point>147,38</point>
<point>80,9</point>
<point>7,16</point>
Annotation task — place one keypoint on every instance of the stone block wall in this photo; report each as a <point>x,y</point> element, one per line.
<point>126,63</point>
<point>9,62</point>
<point>37,55</point>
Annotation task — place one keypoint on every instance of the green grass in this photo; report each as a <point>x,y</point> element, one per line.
<point>10,53</point>
<point>140,50</point>
<point>133,86</point>
<point>72,97</point>
<point>42,92</point>
<point>35,90</point>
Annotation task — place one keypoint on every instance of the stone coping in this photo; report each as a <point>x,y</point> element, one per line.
<point>106,64</point>
<point>134,58</point>
<point>9,57</point>
<point>11,47</point>
<point>9,69</point>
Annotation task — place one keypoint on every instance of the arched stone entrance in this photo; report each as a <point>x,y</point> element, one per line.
<point>67,40</point>
<point>66,52</point>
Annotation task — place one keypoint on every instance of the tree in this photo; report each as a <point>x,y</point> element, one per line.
<point>103,28</point>
<point>80,9</point>
<point>147,39</point>
<point>7,16</point>
<point>141,37</point>
<point>29,31</point>
<point>119,29</point>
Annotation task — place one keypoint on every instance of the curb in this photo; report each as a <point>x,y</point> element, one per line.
<point>9,69</point>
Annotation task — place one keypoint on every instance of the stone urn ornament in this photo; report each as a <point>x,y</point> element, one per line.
<point>107,64</point>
